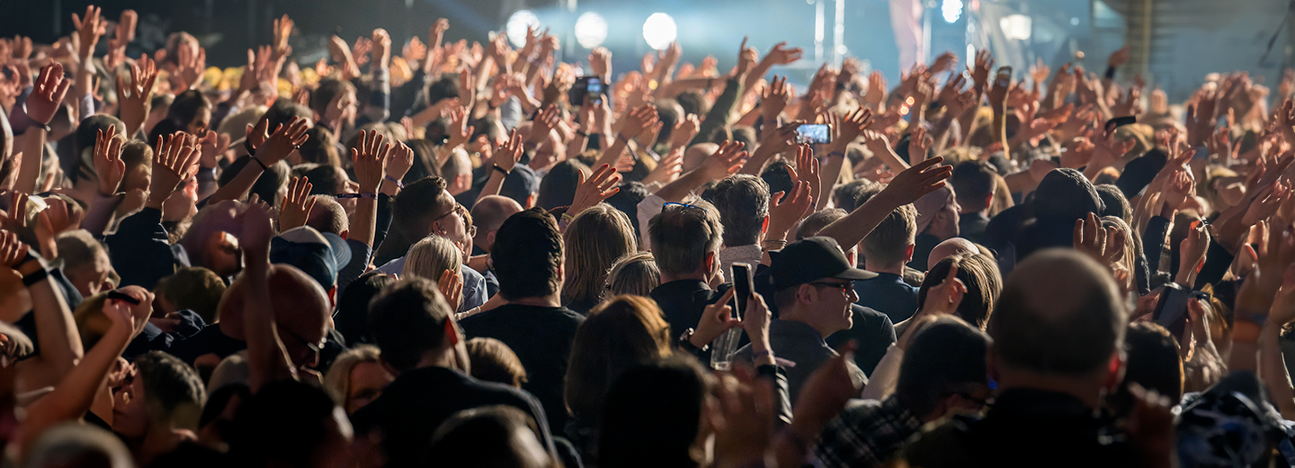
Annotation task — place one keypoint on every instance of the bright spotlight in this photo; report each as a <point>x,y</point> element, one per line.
<point>591,30</point>
<point>659,31</point>
<point>1016,27</point>
<point>517,24</point>
<point>952,10</point>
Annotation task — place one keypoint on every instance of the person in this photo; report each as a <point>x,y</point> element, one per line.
<point>492,361</point>
<point>412,220</point>
<point>415,330</point>
<point>943,373</point>
<point>528,258</point>
<point>974,183</point>
<point>1153,363</point>
<point>635,274</point>
<point>742,201</point>
<point>885,251</point>
<point>192,288</point>
<point>290,423</point>
<point>319,255</point>
<point>85,262</point>
<point>685,243</point>
<point>814,292</point>
<point>73,444</point>
<point>487,215</point>
<point>950,247</point>
<point>357,377</point>
<point>621,333</point>
<point>662,402</point>
<point>937,219</point>
<point>489,436</point>
<point>979,274</point>
<point>432,257</point>
<point>157,408</point>
<point>594,240</point>
<point>1058,333</point>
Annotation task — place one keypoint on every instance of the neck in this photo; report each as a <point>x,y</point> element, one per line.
<point>696,275</point>
<point>159,439</point>
<point>798,314</point>
<point>896,269</point>
<point>1086,388</point>
<point>443,358</point>
<point>552,300</point>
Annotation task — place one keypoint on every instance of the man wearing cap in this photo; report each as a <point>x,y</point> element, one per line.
<point>318,254</point>
<point>814,286</point>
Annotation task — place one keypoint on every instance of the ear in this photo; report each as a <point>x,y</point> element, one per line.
<point>764,225</point>
<point>452,335</point>
<point>345,234</point>
<point>708,264</point>
<point>489,240</point>
<point>989,200</point>
<point>332,300</point>
<point>1114,372</point>
<point>530,201</point>
<point>908,252</point>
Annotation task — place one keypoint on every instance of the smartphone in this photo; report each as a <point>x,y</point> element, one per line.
<point>1118,122</point>
<point>121,296</point>
<point>1004,77</point>
<point>814,134</point>
<point>586,88</point>
<point>1171,311</point>
<point>742,281</point>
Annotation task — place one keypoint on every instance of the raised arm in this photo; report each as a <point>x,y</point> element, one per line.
<point>46,96</point>
<point>267,359</point>
<point>60,344</point>
<point>906,188</point>
<point>370,160</point>
<point>286,139</point>
<point>503,159</point>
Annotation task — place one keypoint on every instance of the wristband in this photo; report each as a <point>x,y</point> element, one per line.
<point>501,170</point>
<point>1110,72</point>
<point>567,217</point>
<point>259,163</point>
<point>345,196</point>
<point>395,181</point>
<point>41,126</point>
<point>35,277</point>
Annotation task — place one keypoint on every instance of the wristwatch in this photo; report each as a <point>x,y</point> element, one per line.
<point>685,340</point>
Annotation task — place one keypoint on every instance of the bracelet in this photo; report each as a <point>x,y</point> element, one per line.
<point>258,162</point>
<point>501,170</point>
<point>42,126</point>
<point>395,181</point>
<point>567,217</point>
<point>345,196</point>
<point>35,277</point>
<point>1257,319</point>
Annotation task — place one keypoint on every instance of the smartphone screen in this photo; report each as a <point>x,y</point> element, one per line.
<point>742,286</point>
<point>1004,77</point>
<point>1171,311</point>
<point>814,134</point>
<point>121,296</point>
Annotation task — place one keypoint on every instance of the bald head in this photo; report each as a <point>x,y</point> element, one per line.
<point>490,213</point>
<point>1059,314</point>
<point>300,305</point>
<point>950,247</point>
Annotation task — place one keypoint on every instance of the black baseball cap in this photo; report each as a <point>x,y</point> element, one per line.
<point>812,259</point>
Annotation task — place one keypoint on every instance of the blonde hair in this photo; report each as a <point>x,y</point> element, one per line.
<point>431,256</point>
<point>594,241</point>
<point>338,379</point>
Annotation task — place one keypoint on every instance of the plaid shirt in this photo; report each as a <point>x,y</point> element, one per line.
<point>867,433</point>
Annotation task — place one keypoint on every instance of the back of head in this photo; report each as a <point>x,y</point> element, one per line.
<point>193,288</point>
<point>1116,204</point>
<point>559,186</point>
<point>430,257</point>
<point>652,413</point>
<point>328,215</point>
<point>299,302</point>
<point>79,249</point>
<point>974,183</point>
<point>775,175</point>
<point>337,381</point>
<point>595,239</point>
<point>286,423</point>
<point>407,321</point>
<point>743,203</point>
<point>621,333</point>
<point>682,235</point>
<point>352,318</point>
<point>846,196</point>
<point>326,92</point>
<point>490,212</point>
<point>521,185</point>
<point>1066,195</point>
<point>173,390</point>
<point>267,185</point>
<point>946,357</point>
<point>527,255</point>
<point>1059,314</point>
<point>75,445</point>
<point>493,361</point>
<point>818,220</point>
<point>411,212</point>
<point>319,148</point>
<point>1152,361</point>
<point>326,180</point>
<point>979,274</point>
<point>887,244</point>
<point>425,162</point>
<point>633,274</point>
<point>488,437</point>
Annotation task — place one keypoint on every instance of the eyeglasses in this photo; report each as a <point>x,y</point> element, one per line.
<point>315,347</point>
<point>682,205</point>
<point>845,287</point>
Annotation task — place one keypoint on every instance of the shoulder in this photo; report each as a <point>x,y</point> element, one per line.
<point>943,444</point>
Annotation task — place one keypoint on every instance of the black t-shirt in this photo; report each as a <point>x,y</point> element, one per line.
<point>418,401</point>
<point>208,341</point>
<point>541,337</point>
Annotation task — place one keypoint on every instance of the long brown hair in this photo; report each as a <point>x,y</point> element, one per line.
<point>595,240</point>
<point>623,332</point>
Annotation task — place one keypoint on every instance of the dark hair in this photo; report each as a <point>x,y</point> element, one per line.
<point>981,277</point>
<point>776,177</point>
<point>849,196</point>
<point>194,288</point>
<point>683,235</point>
<point>483,437</point>
<point>945,357</point>
<point>407,320</point>
<point>623,332</point>
<point>1152,361</point>
<point>319,148</point>
<point>1116,204</point>
<point>693,102</point>
<point>326,180</point>
<point>527,255</point>
<point>329,89</point>
<point>744,134</point>
<point>185,108</point>
<point>352,319</point>
<point>886,244</point>
<point>743,203</point>
<point>283,423</point>
<point>669,113</point>
<point>627,201</point>
<point>172,390</point>
<point>86,136</point>
<point>521,184</point>
<point>559,187</point>
<point>284,109</point>
<point>652,413</point>
<point>425,163</point>
<point>974,183</point>
<point>445,87</point>
<point>493,361</point>
<point>415,205</point>
<point>1083,323</point>
<point>818,220</point>
<point>267,184</point>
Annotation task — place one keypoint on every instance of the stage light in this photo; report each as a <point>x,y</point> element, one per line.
<point>659,31</point>
<point>591,30</point>
<point>1016,27</point>
<point>517,24</point>
<point>952,10</point>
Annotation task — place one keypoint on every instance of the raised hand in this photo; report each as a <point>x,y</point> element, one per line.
<point>509,154</point>
<point>191,65</point>
<point>285,139</point>
<point>47,93</point>
<point>668,169</point>
<point>726,161</point>
<point>876,94</point>
<point>172,158</point>
<point>919,144</point>
<point>781,55</point>
<point>400,161</point>
<point>370,159</point>
<point>451,286</point>
<point>459,129</point>
<point>944,298</point>
<point>282,30</point>
<point>980,70</point>
<point>136,98</point>
<point>1102,244</point>
<point>923,178</point>
<point>787,209</point>
<point>600,62</point>
<point>297,204</point>
<point>808,166</point>
<point>1191,253</point>
<point>684,131</point>
<point>775,99</point>
<point>600,186</point>
<point>381,52</point>
<point>639,120</point>
<point>716,319</point>
<point>544,123</point>
<point>1119,57</point>
<point>853,125</point>
<point>107,162</point>
<point>89,29</point>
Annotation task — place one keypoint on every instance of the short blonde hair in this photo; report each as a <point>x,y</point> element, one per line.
<point>338,379</point>
<point>431,256</point>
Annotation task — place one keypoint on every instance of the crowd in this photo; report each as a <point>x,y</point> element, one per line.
<point>470,255</point>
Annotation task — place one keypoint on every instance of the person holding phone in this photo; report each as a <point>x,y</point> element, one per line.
<point>814,286</point>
